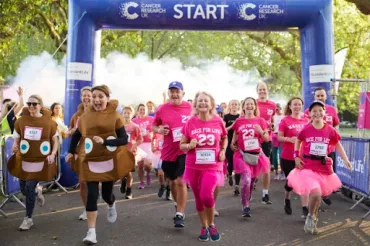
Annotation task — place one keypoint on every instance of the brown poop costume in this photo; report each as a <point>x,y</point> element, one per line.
<point>36,133</point>
<point>97,162</point>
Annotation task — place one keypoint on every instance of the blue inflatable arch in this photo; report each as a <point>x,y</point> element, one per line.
<point>87,18</point>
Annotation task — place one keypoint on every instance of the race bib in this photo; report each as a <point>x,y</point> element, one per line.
<point>160,144</point>
<point>251,144</point>
<point>143,131</point>
<point>176,134</point>
<point>32,133</point>
<point>205,156</point>
<point>320,149</point>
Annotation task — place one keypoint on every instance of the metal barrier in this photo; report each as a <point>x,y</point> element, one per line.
<point>358,152</point>
<point>9,185</point>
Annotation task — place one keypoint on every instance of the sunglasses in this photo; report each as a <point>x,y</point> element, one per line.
<point>32,103</point>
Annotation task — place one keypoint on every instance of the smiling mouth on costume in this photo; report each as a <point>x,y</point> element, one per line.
<point>101,166</point>
<point>32,167</point>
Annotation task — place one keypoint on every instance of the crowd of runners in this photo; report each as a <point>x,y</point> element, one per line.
<point>192,146</point>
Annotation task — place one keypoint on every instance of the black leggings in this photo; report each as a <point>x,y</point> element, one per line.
<point>287,166</point>
<point>93,195</point>
<point>28,189</point>
<point>230,164</point>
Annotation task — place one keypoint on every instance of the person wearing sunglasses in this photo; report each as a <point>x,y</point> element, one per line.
<point>35,146</point>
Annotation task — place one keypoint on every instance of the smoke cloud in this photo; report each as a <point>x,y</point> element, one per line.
<point>139,79</point>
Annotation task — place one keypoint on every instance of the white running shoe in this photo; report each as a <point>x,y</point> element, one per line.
<point>217,214</point>
<point>83,216</point>
<point>112,213</point>
<point>40,197</point>
<point>90,238</point>
<point>26,224</point>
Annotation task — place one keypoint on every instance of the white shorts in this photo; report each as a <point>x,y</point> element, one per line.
<point>156,160</point>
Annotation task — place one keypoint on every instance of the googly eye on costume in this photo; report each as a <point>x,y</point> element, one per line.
<point>45,148</point>
<point>111,148</point>
<point>24,146</point>
<point>88,145</point>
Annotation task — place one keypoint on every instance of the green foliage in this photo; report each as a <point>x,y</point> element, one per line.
<point>28,27</point>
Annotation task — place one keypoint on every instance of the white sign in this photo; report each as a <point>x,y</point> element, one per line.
<point>321,73</point>
<point>79,71</point>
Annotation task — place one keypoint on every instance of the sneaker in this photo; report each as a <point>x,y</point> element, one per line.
<point>90,238</point>
<point>266,199</point>
<point>304,213</point>
<point>141,185</point>
<point>179,221</point>
<point>214,235</point>
<point>310,225</point>
<point>83,216</point>
<point>287,207</point>
<point>161,191</point>
<point>326,200</point>
<point>123,185</point>
<point>128,193</point>
<point>168,193</point>
<point>231,181</point>
<point>236,191</point>
<point>112,213</point>
<point>148,179</point>
<point>217,214</point>
<point>282,177</point>
<point>204,234</point>
<point>40,197</point>
<point>276,176</point>
<point>247,212</point>
<point>27,223</point>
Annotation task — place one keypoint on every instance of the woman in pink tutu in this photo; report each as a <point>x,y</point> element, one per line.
<point>314,175</point>
<point>205,141</point>
<point>249,161</point>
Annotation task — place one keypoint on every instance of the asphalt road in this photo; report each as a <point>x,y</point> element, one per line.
<point>147,220</point>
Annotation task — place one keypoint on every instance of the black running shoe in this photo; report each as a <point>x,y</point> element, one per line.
<point>128,193</point>
<point>231,181</point>
<point>326,200</point>
<point>179,221</point>
<point>236,191</point>
<point>161,191</point>
<point>304,212</point>
<point>287,207</point>
<point>266,199</point>
<point>168,193</point>
<point>247,212</point>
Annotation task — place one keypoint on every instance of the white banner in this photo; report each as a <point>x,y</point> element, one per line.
<point>79,71</point>
<point>321,73</point>
<point>339,59</point>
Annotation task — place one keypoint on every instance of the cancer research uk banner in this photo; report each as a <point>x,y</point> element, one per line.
<point>358,152</point>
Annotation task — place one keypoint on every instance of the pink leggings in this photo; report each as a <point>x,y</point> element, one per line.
<point>203,184</point>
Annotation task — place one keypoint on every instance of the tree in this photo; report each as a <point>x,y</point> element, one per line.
<point>362,5</point>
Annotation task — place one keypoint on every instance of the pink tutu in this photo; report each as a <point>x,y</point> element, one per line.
<point>191,174</point>
<point>240,166</point>
<point>303,181</point>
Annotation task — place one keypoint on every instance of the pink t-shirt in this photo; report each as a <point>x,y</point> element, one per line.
<point>267,111</point>
<point>290,128</point>
<point>249,139</point>
<point>133,133</point>
<point>331,115</point>
<point>208,135</point>
<point>318,142</point>
<point>158,141</point>
<point>145,125</point>
<point>175,116</point>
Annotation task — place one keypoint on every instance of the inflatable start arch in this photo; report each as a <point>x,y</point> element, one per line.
<point>87,18</point>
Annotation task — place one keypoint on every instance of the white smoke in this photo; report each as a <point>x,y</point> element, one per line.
<point>139,79</point>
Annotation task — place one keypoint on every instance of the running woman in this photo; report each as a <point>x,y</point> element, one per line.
<point>169,121</point>
<point>229,119</point>
<point>250,131</point>
<point>267,110</point>
<point>134,140</point>
<point>314,175</point>
<point>289,128</point>
<point>145,123</point>
<point>205,141</point>
<point>276,145</point>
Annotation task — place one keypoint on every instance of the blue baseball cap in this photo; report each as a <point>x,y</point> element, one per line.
<point>314,103</point>
<point>176,84</point>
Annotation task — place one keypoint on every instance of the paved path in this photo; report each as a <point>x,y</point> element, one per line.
<point>147,220</point>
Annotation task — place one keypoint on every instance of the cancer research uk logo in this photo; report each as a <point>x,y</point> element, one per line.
<point>125,9</point>
<point>250,11</point>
